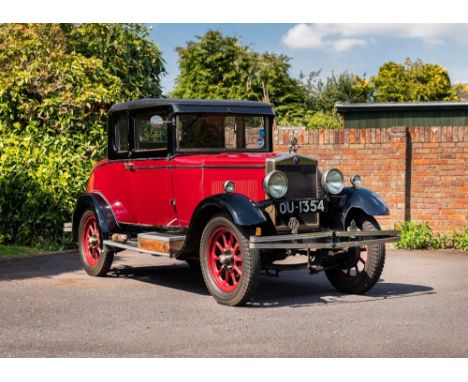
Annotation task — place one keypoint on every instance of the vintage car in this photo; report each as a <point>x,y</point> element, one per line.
<point>197,180</point>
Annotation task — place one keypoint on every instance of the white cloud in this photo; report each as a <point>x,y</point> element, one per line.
<point>341,37</point>
<point>347,43</point>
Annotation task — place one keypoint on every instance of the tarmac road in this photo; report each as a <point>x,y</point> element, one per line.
<point>155,307</point>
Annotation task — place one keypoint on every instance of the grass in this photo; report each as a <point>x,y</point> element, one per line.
<point>16,251</point>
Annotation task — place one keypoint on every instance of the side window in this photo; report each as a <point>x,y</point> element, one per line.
<point>148,138</point>
<point>121,134</point>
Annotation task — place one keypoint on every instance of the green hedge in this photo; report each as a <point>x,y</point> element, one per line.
<point>56,85</point>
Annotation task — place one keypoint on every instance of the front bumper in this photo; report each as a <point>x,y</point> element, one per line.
<point>333,240</point>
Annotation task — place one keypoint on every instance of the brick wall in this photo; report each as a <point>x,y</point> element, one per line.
<point>422,173</point>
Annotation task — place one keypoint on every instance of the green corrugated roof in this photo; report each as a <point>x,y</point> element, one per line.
<point>369,115</point>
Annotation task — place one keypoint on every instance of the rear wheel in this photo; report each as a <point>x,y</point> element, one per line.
<point>230,270</point>
<point>95,261</point>
<point>364,265</point>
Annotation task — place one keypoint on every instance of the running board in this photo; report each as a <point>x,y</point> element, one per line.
<point>111,246</point>
<point>155,243</point>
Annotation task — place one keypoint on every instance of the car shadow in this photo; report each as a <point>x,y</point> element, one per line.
<point>177,276</point>
<point>292,289</point>
<point>317,290</point>
<point>42,265</point>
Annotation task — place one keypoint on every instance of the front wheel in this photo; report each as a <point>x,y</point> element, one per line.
<point>230,269</point>
<point>363,266</point>
<point>95,261</point>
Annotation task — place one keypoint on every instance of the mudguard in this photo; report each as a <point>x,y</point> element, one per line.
<point>243,211</point>
<point>363,199</point>
<point>102,210</point>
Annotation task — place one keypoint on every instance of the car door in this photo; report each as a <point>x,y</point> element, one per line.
<point>111,178</point>
<point>151,182</point>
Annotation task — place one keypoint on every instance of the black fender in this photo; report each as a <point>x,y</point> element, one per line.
<point>362,199</point>
<point>103,211</point>
<point>243,211</point>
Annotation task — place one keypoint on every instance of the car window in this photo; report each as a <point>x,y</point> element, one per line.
<point>121,134</point>
<point>225,132</point>
<point>148,138</point>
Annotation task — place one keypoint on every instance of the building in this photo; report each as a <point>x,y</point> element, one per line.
<point>404,114</point>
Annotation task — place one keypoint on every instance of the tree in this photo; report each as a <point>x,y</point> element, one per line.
<point>125,51</point>
<point>344,87</point>
<point>462,91</point>
<point>215,67</point>
<point>220,67</point>
<point>54,95</point>
<point>412,81</point>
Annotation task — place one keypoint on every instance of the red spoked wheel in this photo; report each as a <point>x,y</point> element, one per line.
<point>230,269</point>
<point>225,259</point>
<point>91,241</point>
<point>95,261</point>
<point>363,266</point>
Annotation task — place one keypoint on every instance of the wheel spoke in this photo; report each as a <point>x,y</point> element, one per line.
<point>220,247</point>
<point>94,228</point>
<point>226,276</point>
<point>238,270</point>
<point>233,277</point>
<point>225,241</point>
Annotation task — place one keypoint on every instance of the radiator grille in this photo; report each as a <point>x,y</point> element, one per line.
<point>302,180</point>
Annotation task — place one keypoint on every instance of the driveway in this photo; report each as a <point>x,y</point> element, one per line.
<point>156,307</point>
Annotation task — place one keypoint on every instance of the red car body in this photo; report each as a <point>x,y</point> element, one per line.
<point>153,191</point>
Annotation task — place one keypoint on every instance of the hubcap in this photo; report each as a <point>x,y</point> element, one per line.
<point>91,241</point>
<point>225,259</point>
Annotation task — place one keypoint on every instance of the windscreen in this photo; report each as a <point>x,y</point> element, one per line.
<point>222,132</point>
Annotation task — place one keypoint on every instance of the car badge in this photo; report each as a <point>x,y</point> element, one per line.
<point>294,225</point>
<point>296,159</point>
<point>293,145</point>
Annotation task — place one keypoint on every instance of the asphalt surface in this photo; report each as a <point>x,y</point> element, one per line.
<point>156,307</point>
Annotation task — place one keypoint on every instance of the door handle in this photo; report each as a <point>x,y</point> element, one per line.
<point>129,166</point>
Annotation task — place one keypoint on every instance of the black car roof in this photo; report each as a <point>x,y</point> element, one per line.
<point>198,106</point>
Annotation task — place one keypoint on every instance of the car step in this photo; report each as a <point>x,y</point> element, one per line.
<point>155,243</point>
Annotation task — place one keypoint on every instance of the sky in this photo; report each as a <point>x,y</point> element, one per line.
<point>358,48</point>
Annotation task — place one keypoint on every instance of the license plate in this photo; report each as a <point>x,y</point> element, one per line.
<point>304,206</point>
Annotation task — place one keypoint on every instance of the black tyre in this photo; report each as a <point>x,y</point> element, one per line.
<point>363,266</point>
<point>95,261</point>
<point>230,270</point>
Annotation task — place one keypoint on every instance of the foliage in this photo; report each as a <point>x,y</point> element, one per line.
<point>415,235</point>
<point>344,87</point>
<point>214,67</point>
<point>219,67</point>
<point>54,97</point>
<point>313,120</point>
<point>125,51</point>
<point>419,235</point>
<point>461,91</point>
<point>460,239</point>
<point>412,81</point>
